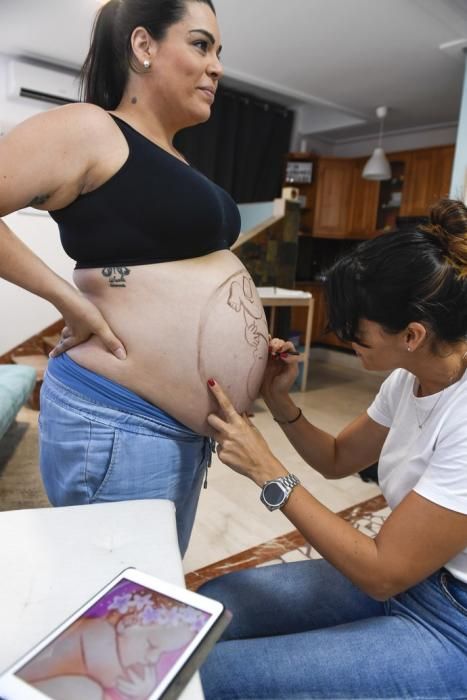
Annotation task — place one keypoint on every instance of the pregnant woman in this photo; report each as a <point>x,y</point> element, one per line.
<point>162,304</point>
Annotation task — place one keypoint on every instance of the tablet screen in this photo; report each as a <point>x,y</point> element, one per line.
<point>123,646</point>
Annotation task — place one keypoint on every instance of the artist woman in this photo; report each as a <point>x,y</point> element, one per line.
<point>161,303</point>
<point>383,617</point>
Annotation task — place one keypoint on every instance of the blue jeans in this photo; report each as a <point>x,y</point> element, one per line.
<point>302,630</point>
<point>90,453</point>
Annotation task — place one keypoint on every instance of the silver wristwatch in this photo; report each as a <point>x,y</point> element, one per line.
<point>276,492</point>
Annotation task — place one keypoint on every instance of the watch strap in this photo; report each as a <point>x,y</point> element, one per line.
<point>290,481</point>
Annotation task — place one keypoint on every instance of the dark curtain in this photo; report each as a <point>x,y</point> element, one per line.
<point>242,146</point>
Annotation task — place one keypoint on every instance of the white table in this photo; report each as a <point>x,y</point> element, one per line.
<point>278,296</point>
<point>54,559</point>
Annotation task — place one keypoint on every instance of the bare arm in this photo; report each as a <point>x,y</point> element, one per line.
<point>41,165</point>
<point>417,539</point>
<point>357,446</point>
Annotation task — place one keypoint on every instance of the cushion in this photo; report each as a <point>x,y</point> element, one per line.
<point>16,385</point>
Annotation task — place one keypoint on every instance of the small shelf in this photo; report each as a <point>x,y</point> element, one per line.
<point>390,192</point>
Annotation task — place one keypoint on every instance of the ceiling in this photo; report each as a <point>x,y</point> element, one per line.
<point>334,60</point>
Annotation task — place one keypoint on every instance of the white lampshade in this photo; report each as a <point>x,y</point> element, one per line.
<point>377,167</point>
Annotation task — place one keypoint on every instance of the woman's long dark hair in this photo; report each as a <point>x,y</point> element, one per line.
<point>104,73</point>
<point>398,278</point>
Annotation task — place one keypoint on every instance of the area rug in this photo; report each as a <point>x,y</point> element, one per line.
<point>367,517</point>
<point>20,481</point>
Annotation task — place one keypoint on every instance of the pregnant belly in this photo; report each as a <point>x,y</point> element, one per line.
<point>181,324</point>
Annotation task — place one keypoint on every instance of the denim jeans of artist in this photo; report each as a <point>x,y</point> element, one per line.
<point>93,454</point>
<point>302,630</point>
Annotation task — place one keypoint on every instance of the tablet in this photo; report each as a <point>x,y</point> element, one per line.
<point>139,637</point>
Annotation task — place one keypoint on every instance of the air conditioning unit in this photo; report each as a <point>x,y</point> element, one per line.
<point>42,82</point>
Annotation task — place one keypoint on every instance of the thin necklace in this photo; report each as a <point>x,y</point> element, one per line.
<point>422,423</point>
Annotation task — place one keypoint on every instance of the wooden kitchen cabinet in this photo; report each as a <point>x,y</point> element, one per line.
<point>339,203</point>
<point>428,177</point>
<point>363,208</point>
<point>442,164</point>
<point>333,193</point>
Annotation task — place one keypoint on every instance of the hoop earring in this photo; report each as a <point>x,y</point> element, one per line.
<point>146,64</point>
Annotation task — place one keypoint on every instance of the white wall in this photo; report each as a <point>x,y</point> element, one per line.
<point>14,111</point>
<point>407,140</point>
<point>22,314</point>
<point>459,174</point>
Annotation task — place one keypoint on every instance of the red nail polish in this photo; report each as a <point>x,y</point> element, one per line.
<point>211,382</point>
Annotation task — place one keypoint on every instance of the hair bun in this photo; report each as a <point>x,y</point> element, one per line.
<point>448,223</point>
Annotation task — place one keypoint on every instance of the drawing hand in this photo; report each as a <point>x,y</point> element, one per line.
<point>281,370</point>
<point>138,687</point>
<point>240,444</point>
<point>82,320</point>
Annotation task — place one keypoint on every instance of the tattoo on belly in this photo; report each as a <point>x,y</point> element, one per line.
<point>116,275</point>
<point>249,331</point>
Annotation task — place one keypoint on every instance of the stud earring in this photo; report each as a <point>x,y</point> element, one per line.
<point>146,64</point>
<point>409,349</point>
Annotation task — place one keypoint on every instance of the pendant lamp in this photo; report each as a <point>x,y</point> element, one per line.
<point>377,167</point>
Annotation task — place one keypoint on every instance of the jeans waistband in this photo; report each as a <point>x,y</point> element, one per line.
<point>105,392</point>
<point>94,410</point>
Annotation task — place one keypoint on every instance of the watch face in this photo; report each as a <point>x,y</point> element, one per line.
<point>273,494</point>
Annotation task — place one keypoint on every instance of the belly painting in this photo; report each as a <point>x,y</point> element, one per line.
<point>246,324</point>
<point>181,322</point>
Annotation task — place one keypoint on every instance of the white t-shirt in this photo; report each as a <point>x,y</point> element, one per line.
<point>431,459</point>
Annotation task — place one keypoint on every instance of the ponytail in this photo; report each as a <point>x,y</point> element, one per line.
<point>103,74</point>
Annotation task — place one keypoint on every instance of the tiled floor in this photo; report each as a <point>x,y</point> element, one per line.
<point>230,516</point>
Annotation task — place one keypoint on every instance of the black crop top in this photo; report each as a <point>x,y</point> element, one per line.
<point>154,209</point>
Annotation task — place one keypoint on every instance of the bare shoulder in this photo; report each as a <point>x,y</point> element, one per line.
<point>72,123</point>
<point>84,115</point>
<point>47,159</point>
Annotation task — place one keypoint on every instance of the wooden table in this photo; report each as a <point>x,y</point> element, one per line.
<point>277,296</point>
